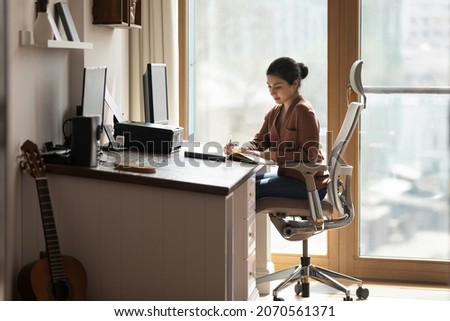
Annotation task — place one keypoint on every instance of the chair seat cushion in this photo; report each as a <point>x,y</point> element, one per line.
<point>290,206</point>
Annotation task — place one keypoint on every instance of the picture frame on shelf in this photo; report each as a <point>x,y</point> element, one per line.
<point>56,33</point>
<point>65,17</point>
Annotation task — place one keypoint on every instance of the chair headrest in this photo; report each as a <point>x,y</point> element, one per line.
<point>355,77</point>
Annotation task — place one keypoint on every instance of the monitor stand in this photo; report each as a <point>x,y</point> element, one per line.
<point>113,143</point>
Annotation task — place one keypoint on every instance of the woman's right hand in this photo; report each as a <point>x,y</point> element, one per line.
<point>231,149</point>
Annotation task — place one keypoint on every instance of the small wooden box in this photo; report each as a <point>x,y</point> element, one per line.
<point>116,13</point>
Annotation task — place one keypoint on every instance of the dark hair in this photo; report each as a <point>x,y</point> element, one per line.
<point>287,69</point>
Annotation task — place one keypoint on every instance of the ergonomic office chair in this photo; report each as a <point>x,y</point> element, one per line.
<point>297,219</point>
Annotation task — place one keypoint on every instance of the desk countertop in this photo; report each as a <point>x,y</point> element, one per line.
<point>173,171</point>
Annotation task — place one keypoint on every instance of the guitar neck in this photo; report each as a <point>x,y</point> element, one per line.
<point>51,237</point>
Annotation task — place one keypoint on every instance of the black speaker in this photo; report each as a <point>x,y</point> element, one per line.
<point>85,137</point>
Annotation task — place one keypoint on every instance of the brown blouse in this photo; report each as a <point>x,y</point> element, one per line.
<point>296,140</point>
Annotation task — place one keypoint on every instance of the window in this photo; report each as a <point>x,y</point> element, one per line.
<point>404,174</point>
<point>404,136</point>
<point>231,44</point>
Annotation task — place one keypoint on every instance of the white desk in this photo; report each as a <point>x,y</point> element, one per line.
<point>186,232</point>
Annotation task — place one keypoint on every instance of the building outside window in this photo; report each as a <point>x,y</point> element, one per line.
<point>404,173</point>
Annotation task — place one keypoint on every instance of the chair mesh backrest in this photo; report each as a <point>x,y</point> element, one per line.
<point>336,160</point>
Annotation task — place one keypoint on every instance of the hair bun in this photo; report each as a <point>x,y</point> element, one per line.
<point>303,70</point>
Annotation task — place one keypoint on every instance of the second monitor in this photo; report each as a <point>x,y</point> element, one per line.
<point>156,109</point>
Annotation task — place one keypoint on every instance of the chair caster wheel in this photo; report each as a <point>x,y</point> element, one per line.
<point>275,298</point>
<point>362,293</point>
<point>298,288</point>
<point>348,298</point>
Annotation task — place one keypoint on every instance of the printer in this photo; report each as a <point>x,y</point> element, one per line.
<point>149,137</point>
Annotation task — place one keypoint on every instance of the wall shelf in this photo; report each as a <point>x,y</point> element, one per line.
<point>26,39</point>
<point>122,25</point>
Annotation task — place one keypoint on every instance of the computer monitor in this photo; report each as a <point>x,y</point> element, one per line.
<point>94,86</point>
<point>156,109</point>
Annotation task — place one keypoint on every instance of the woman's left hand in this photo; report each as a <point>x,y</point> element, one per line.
<point>253,152</point>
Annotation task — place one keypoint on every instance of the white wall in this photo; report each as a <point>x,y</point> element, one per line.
<point>44,86</point>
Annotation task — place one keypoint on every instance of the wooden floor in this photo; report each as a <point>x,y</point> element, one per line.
<point>378,292</point>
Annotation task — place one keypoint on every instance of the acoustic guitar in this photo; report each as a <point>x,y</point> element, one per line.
<point>53,276</point>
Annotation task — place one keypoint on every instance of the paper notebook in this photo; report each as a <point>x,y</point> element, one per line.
<point>239,157</point>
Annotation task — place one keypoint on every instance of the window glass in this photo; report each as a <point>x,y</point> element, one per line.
<point>231,44</point>
<point>404,175</point>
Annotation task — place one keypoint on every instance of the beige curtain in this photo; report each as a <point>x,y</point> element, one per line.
<point>156,42</point>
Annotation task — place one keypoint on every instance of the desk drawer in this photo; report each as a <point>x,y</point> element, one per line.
<point>251,195</point>
<point>251,266</point>
<point>251,233</point>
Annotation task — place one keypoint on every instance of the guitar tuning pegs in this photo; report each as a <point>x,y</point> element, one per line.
<point>24,166</point>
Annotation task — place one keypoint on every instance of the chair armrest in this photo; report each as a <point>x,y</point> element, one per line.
<point>306,167</point>
<point>309,169</point>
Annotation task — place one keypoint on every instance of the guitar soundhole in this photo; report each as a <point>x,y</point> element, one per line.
<point>60,290</point>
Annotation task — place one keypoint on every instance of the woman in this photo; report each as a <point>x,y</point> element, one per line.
<point>290,132</point>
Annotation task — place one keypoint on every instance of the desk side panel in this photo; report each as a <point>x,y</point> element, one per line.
<point>136,242</point>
